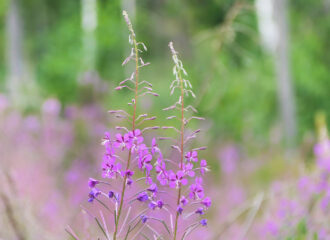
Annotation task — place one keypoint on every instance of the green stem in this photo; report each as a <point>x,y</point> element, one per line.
<point>182,152</point>
<point>133,128</point>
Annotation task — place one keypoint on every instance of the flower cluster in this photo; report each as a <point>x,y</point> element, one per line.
<point>138,179</point>
<point>309,206</point>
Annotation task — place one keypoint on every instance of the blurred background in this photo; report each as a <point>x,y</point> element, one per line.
<point>260,70</point>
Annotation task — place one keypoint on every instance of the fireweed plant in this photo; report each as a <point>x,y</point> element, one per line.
<point>151,196</point>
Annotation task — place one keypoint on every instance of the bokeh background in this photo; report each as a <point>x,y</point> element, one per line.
<point>260,70</point>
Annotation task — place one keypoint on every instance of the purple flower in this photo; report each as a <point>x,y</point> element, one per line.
<point>109,167</point>
<point>203,222</point>
<point>183,201</point>
<point>162,174</point>
<point>122,141</point>
<point>111,194</point>
<point>203,166</point>
<point>143,197</point>
<point>177,179</point>
<point>92,182</point>
<point>155,148</point>
<point>129,181</point>
<point>200,211</point>
<point>51,106</point>
<point>153,205</point>
<point>153,188</point>
<point>188,169</point>
<point>179,209</point>
<point>129,173</point>
<point>191,156</point>
<point>148,180</point>
<point>93,194</point>
<point>135,137</point>
<point>196,189</point>
<point>272,227</point>
<point>144,218</point>
<point>106,138</point>
<point>144,161</point>
<point>160,204</point>
<point>206,202</point>
<point>109,151</point>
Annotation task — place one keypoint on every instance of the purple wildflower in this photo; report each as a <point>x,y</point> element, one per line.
<point>203,222</point>
<point>162,174</point>
<point>153,205</point>
<point>122,141</point>
<point>145,160</point>
<point>154,147</point>
<point>179,209</point>
<point>160,204</point>
<point>135,137</point>
<point>106,138</point>
<point>191,156</point>
<point>177,179</point>
<point>144,218</point>
<point>111,194</point>
<point>200,211</point>
<point>129,181</point>
<point>203,166</point>
<point>183,201</point>
<point>110,168</point>
<point>143,197</point>
<point>207,202</point>
<point>188,169</point>
<point>196,189</point>
<point>92,182</point>
<point>93,194</point>
<point>129,173</point>
<point>153,188</point>
<point>272,227</point>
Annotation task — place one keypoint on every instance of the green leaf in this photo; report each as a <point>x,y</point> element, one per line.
<point>100,226</point>
<point>302,228</point>
<point>71,235</point>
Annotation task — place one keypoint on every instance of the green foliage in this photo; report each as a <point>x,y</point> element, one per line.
<point>301,232</point>
<point>235,78</point>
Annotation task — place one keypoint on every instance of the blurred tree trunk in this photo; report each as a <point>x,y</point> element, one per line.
<point>14,51</point>
<point>22,89</point>
<point>89,24</point>
<point>282,64</point>
<point>89,78</point>
<point>273,26</point>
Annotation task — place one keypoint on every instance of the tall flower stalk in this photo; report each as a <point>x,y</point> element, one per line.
<point>178,68</point>
<point>149,212</point>
<point>132,143</point>
<point>136,59</point>
<point>186,166</point>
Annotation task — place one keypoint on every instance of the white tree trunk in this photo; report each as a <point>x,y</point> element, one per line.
<point>89,24</point>
<point>14,51</point>
<point>273,27</point>
<point>22,89</point>
<point>282,63</point>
